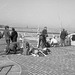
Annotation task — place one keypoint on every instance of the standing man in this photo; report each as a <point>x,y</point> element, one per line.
<point>7,35</point>
<point>43,36</point>
<point>14,35</point>
<point>63,37</point>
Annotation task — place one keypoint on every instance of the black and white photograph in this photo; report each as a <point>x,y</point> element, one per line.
<point>37,37</point>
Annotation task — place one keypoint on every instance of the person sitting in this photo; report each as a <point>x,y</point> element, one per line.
<point>46,51</point>
<point>14,48</point>
<point>54,42</point>
<point>36,51</point>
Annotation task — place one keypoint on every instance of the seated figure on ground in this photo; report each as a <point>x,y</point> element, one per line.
<point>15,47</point>
<point>36,51</point>
<point>54,42</point>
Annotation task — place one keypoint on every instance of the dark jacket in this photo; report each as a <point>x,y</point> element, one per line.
<point>63,35</point>
<point>44,33</point>
<point>14,36</point>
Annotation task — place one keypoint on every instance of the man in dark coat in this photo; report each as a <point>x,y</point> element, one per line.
<point>14,35</point>
<point>63,37</point>
<point>42,37</point>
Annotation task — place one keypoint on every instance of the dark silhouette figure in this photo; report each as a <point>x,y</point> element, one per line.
<point>63,37</point>
<point>42,37</point>
<point>14,35</point>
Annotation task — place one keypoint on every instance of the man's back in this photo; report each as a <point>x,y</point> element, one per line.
<point>14,33</point>
<point>63,35</point>
<point>14,36</point>
<point>44,32</point>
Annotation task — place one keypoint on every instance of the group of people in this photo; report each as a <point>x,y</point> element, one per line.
<point>22,44</point>
<point>10,37</point>
<point>64,40</point>
<point>43,39</point>
<point>43,44</point>
<point>53,41</point>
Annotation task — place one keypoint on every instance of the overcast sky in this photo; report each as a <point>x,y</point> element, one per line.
<point>50,13</point>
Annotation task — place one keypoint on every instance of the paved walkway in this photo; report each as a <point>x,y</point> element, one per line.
<point>9,67</point>
<point>60,62</point>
